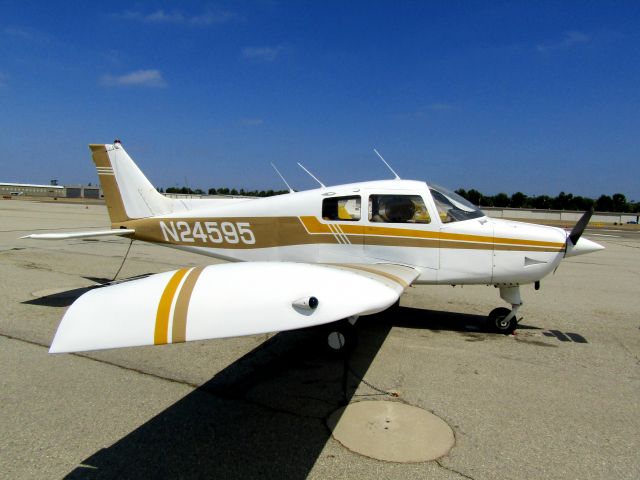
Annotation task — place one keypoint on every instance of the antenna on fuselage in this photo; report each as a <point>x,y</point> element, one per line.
<point>291,190</point>
<point>388,166</point>
<point>312,175</point>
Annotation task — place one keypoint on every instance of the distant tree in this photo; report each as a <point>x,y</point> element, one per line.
<point>462,192</point>
<point>619,202</point>
<point>562,201</point>
<point>518,200</point>
<point>604,203</point>
<point>475,197</point>
<point>501,200</point>
<point>542,202</point>
<point>582,203</point>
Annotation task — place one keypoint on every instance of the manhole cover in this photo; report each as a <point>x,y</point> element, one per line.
<point>391,431</point>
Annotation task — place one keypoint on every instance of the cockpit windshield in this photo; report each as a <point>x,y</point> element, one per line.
<point>452,207</point>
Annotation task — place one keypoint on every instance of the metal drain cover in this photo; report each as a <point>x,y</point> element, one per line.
<point>391,431</point>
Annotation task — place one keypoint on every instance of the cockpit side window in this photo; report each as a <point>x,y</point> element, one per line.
<point>452,207</point>
<point>398,209</point>
<point>341,208</point>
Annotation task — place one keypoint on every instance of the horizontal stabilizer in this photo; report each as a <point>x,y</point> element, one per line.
<point>224,300</point>
<point>87,234</point>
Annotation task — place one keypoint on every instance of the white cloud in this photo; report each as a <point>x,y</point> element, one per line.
<point>139,78</point>
<point>570,39</point>
<point>262,54</point>
<point>178,18</point>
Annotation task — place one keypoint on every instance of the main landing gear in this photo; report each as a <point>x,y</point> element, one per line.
<point>503,320</point>
<point>341,336</point>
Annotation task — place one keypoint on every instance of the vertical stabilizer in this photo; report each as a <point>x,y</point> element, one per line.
<point>127,192</point>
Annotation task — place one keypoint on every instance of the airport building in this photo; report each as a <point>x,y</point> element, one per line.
<point>30,190</point>
<point>9,190</point>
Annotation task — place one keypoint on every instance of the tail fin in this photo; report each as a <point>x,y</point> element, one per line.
<point>127,192</point>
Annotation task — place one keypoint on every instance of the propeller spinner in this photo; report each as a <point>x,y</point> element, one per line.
<point>576,245</point>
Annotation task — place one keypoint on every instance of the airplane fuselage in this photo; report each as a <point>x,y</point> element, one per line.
<point>422,226</point>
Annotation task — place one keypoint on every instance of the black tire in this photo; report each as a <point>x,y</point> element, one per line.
<point>497,324</point>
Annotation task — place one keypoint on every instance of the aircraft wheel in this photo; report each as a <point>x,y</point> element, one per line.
<point>497,323</point>
<point>341,337</point>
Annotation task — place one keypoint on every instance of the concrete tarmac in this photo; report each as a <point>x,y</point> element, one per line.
<point>560,399</point>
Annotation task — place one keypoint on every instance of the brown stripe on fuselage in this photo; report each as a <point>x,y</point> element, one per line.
<point>112,197</point>
<point>269,232</point>
<point>272,232</point>
<point>179,329</point>
<point>161,333</point>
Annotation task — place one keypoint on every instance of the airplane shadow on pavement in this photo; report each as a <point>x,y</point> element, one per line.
<point>262,416</point>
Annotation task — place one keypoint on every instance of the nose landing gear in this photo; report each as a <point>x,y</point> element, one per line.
<point>502,319</point>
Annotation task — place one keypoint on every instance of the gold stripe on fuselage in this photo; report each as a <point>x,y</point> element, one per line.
<point>269,232</point>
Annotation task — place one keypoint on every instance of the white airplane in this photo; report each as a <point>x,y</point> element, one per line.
<point>299,259</point>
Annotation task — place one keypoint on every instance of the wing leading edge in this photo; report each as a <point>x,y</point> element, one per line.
<point>226,300</point>
<point>87,234</point>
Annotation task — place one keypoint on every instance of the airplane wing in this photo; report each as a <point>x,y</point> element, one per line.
<point>87,234</point>
<point>227,300</point>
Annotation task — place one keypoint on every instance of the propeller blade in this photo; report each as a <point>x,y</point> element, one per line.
<point>579,227</point>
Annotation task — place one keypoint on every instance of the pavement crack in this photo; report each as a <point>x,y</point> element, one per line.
<point>174,380</point>
<point>106,362</point>
<point>452,470</point>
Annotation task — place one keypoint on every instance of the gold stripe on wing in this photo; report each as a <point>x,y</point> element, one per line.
<point>161,333</point>
<point>179,331</point>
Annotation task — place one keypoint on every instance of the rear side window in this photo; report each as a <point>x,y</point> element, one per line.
<point>398,209</point>
<point>341,208</point>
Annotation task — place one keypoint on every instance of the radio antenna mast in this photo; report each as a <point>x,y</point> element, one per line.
<point>291,190</point>
<point>312,175</point>
<point>388,166</point>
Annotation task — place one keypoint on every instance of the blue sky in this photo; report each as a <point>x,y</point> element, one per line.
<point>500,96</point>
